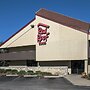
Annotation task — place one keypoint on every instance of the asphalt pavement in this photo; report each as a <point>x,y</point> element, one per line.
<point>22,83</point>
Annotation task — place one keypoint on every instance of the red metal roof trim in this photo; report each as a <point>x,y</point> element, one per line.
<point>64,20</point>
<point>17,32</point>
<point>71,26</point>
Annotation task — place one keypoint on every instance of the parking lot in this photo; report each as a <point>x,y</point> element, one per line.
<point>22,83</point>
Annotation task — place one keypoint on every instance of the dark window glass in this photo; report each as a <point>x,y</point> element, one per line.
<point>4,50</point>
<point>4,63</point>
<point>31,63</point>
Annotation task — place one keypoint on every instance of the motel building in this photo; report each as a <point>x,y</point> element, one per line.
<point>50,42</point>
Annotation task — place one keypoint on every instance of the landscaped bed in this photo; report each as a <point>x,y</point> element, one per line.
<point>29,73</point>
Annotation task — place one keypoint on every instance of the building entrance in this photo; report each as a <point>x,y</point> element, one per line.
<point>77,66</point>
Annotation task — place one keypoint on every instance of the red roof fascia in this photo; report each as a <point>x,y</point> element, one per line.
<point>85,31</point>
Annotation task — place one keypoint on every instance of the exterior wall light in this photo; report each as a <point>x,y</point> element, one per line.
<point>32,26</point>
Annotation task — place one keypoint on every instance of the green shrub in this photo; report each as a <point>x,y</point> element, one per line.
<point>8,71</point>
<point>2,71</point>
<point>46,74</point>
<point>30,72</point>
<point>39,73</point>
<point>22,72</point>
<point>14,71</point>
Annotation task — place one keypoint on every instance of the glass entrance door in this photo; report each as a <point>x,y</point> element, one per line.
<point>77,66</point>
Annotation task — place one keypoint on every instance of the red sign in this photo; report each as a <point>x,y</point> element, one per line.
<point>42,34</point>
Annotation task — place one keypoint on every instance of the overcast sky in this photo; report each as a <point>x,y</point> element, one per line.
<point>14,14</point>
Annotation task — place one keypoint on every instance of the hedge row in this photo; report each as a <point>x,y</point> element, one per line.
<point>23,72</point>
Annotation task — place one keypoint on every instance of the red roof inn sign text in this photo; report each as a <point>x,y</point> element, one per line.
<point>42,34</point>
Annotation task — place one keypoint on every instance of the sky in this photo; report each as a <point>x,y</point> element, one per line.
<point>14,14</point>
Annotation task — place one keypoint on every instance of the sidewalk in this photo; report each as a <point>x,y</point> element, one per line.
<point>77,80</point>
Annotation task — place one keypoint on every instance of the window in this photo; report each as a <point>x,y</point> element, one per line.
<point>31,63</point>
<point>4,63</point>
<point>4,50</point>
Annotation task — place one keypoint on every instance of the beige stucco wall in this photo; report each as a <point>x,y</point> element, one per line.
<point>64,43</point>
<point>21,39</point>
<point>19,49</point>
<point>88,68</point>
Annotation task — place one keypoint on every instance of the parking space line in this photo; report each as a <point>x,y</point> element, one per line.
<point>16,78</point>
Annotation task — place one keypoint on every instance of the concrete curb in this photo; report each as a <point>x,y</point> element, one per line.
<point>11,75</point>
<point>52,76</point>
<point>30,75</point>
